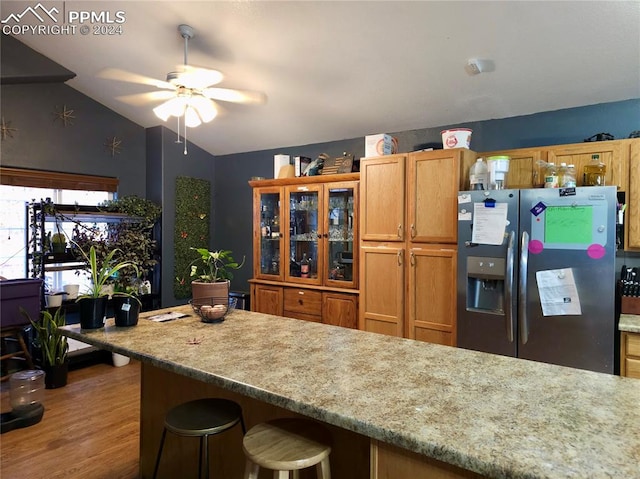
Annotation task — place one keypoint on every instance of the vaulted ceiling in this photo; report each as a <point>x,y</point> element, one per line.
<point>333,70</point>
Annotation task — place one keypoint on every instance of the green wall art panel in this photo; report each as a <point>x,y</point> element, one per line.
<point>193,210</point>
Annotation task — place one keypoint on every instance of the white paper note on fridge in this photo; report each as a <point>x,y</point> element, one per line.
<point>489,223</point>
<point>558,292</point>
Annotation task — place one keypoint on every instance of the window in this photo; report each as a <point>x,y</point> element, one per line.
<point>19,187</point>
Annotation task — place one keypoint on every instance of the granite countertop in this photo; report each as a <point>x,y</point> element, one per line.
<point>498,416</point>
<point>629,323</point>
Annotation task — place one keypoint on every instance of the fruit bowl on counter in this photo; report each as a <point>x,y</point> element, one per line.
<point>213,309</point>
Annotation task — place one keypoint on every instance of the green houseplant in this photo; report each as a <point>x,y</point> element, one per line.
<point>93,302</point>
<point>211,272</point>
<point>53,346</point>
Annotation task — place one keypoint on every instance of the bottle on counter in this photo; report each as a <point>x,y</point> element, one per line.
<point>594,172</point>
<point>567,176</point>
<point>478,175</point>
<point>551,176</point>
<point>304,266</point>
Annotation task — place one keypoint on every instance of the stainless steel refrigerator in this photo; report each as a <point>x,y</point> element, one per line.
<point>536,274</point>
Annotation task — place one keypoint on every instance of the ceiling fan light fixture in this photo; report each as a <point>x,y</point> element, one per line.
<point>173,107</point>
<point>205,108</point>
<point>196,78</point>
<point>191,117</point>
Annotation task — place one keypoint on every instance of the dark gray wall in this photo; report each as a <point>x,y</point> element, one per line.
<point>42,142</point>
<point>165,162</point>
<point>232,194</point>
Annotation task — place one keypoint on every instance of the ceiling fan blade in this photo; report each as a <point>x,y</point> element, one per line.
<point>123,75</point>
<point>139,99</point>
<point>196,78</point>
<point>235,96</point>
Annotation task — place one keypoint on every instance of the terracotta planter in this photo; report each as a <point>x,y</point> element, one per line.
<point>126,311</point>
<point>92,312</point>
<point>200,289</point>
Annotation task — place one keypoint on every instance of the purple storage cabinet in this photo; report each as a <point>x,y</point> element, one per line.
<point>16,293</point>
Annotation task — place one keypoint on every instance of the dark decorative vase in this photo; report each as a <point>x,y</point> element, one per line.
<point>55,376</point>
<point>126,310</point>
<point>93,312</point>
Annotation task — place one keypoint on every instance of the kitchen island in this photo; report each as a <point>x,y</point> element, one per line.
<point>397,408</point>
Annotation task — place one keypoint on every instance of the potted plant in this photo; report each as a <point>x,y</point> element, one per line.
<point>126,305</point>
<point>53,347</point>
<point>210,273</point>
<point>58,243</point>
<point>93,302</point>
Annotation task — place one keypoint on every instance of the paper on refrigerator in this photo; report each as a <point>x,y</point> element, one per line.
<point>489,223</point>
<point>558,292</point>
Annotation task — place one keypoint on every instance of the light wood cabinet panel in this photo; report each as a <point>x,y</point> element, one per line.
<point>432,294</point>
<point>432,190</point>
<point>614,154</point>
<point>632,215</point>
<point>340,310</point>
<point>267,299</point>
<point>390,462</point>
<point>630,355</point>
<point>382,289</point>
<point>382,190</point>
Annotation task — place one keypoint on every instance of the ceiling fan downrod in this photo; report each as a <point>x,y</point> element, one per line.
<point>187,33</point>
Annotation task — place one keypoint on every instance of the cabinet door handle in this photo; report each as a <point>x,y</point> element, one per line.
<point>399,258</point>
<point>413,231</point>
<point>400,230</point>
<point>413,259</point>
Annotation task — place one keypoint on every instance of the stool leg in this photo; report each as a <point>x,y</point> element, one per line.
<point>280,474</point>
<point>323,470</point>
<point>155,469</point>
<point>205,441</point>
<point>251,470</point>
<point>295,474</point>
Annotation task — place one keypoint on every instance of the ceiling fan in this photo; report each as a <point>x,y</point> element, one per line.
<point>189,91</point>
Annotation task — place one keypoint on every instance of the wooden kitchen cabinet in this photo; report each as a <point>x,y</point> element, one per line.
<point>432,293</point>
<point>267,299</point>
<point>614,154</point>
<point>408,256</point>
<point>306,221</point>
<point>382,212</point>
<point>525,170</point>
<point>382,274</point>
<point>340,309</point>
<point>630,354</point>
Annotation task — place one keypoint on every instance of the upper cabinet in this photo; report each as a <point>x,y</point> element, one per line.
<point>614,154</point>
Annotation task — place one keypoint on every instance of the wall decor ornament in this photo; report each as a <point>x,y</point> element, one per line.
<point>64,115</point>
<point>113,145</point>
<point>6,131</point>
<point>193,210</point>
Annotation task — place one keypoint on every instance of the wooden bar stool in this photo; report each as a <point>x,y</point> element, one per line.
<point>200,418</point>
<point>287,445</point>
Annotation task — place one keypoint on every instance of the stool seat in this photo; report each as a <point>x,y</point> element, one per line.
<point>287,444</point>
<point>200,418</point>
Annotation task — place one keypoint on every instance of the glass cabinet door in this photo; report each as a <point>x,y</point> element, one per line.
<point>341,217</point>
<point>305,230</point>
<point>269,235</point>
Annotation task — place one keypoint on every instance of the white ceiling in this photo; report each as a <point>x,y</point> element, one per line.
<point>335,70</point>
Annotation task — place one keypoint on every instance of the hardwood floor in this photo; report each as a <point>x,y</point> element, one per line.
<point>90,429</point>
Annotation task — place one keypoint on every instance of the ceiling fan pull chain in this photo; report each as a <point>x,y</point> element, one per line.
<point>185,137</point>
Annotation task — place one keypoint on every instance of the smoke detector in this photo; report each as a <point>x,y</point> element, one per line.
<point>475,66</point>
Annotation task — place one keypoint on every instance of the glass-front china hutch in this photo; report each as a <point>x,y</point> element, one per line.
<point>305,248</point>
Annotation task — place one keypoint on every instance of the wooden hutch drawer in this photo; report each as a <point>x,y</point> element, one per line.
<point>304,301</point>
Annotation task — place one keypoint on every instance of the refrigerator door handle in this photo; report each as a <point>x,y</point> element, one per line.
<point>523,321</point>
<point>509,305</point>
